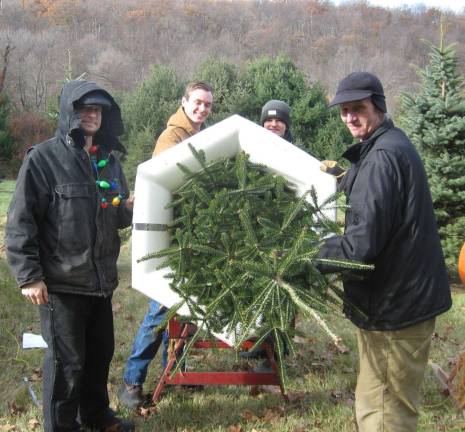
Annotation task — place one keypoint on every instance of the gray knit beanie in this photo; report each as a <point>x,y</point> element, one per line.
<point>276,109</point>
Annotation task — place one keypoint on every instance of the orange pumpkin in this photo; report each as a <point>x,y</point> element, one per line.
<point>461,264</point>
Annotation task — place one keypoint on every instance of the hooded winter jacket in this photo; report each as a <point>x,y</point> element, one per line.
<point>177,129</point>
<point>390,223</point>
<point>57,229</point>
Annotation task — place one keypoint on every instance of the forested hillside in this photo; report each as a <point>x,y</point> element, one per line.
<point>115,42</point>
<point>250,51</point>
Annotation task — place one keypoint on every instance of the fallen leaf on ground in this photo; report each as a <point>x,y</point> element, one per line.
<point>255,391</point>
<point>36,376</point>
<point>7,427</point>
<point>249,416</point>
<point>33,424</point>
<point>273,413</point>
<point>15,409</point>
<point>307,341</point>
<point>147,412</point>
<point>336,394</point>
<point>294,397</point>
<point>271,389</point>
<point>234,428</point>
<point>342,349</point>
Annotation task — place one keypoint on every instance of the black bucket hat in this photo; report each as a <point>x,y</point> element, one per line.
<point>95,98</point>
<point>360,85</point>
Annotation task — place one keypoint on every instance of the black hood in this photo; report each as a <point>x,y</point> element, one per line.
<point>69,121</point>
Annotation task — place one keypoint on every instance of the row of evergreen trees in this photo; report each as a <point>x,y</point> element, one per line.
<point>236,91</point>
<point>433,117</point>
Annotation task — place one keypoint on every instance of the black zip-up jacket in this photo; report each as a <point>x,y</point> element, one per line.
<point>57,230</point>
<point>390,223</point>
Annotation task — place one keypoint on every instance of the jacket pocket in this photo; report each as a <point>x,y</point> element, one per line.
<point>76,213</point>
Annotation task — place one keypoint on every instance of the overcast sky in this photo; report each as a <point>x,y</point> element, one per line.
<point>454,5</point>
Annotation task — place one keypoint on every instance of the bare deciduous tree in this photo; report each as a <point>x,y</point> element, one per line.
<point>118,41</point>
<point>6,53</point>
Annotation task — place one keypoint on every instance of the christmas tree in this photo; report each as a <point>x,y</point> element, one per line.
<point>434,119</point>
<point>244,253</point>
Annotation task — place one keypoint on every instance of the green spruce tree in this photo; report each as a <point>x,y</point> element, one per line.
<point>317,129</point>
<point>146,111</point>
<point>434,119</point>
<point>6,141</point>
<point>222,77</point>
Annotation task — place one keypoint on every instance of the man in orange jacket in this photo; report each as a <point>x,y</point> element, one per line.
<point>189,119</point>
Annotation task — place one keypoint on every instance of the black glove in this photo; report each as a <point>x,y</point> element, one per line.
<point>333,168</point>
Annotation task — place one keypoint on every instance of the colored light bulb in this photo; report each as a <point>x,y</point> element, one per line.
<point>103,184</point>
<point>93,149</point>
<point>102,163</point>
<point>116,201</point>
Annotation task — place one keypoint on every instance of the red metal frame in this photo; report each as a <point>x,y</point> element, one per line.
<point>179,332</point>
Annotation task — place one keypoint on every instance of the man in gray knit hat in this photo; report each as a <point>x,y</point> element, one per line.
<point>276,117</point>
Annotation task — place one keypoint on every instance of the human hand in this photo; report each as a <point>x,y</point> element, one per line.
<point>36,292</point>
<point>129,203</point>
<point>333,168</point>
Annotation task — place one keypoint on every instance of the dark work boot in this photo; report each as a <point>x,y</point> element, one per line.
<point>130,395</point>
<point>111,424</point>
<point>118,425</point>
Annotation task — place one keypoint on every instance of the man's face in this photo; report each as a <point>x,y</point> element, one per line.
<point>276,126</point>
<point>91,119</point>
<point>361,117</point>
<point>198,106</point>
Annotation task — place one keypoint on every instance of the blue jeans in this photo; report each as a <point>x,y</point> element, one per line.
<point>146,345</point>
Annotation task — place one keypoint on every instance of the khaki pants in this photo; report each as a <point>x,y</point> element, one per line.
<point>392,366</point>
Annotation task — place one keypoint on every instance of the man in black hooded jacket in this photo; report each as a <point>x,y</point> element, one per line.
<point>62,244</point>
<point>390,224</point>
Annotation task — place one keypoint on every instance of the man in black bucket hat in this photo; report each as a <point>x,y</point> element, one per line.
<point>360,85</point>
<point>62,243</point>
<point>390,224</point>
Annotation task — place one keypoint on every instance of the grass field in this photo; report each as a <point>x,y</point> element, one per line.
<point>322,381</point>
<point>6,189</point>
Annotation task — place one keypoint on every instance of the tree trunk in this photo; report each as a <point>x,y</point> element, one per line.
<point>6,53</point>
